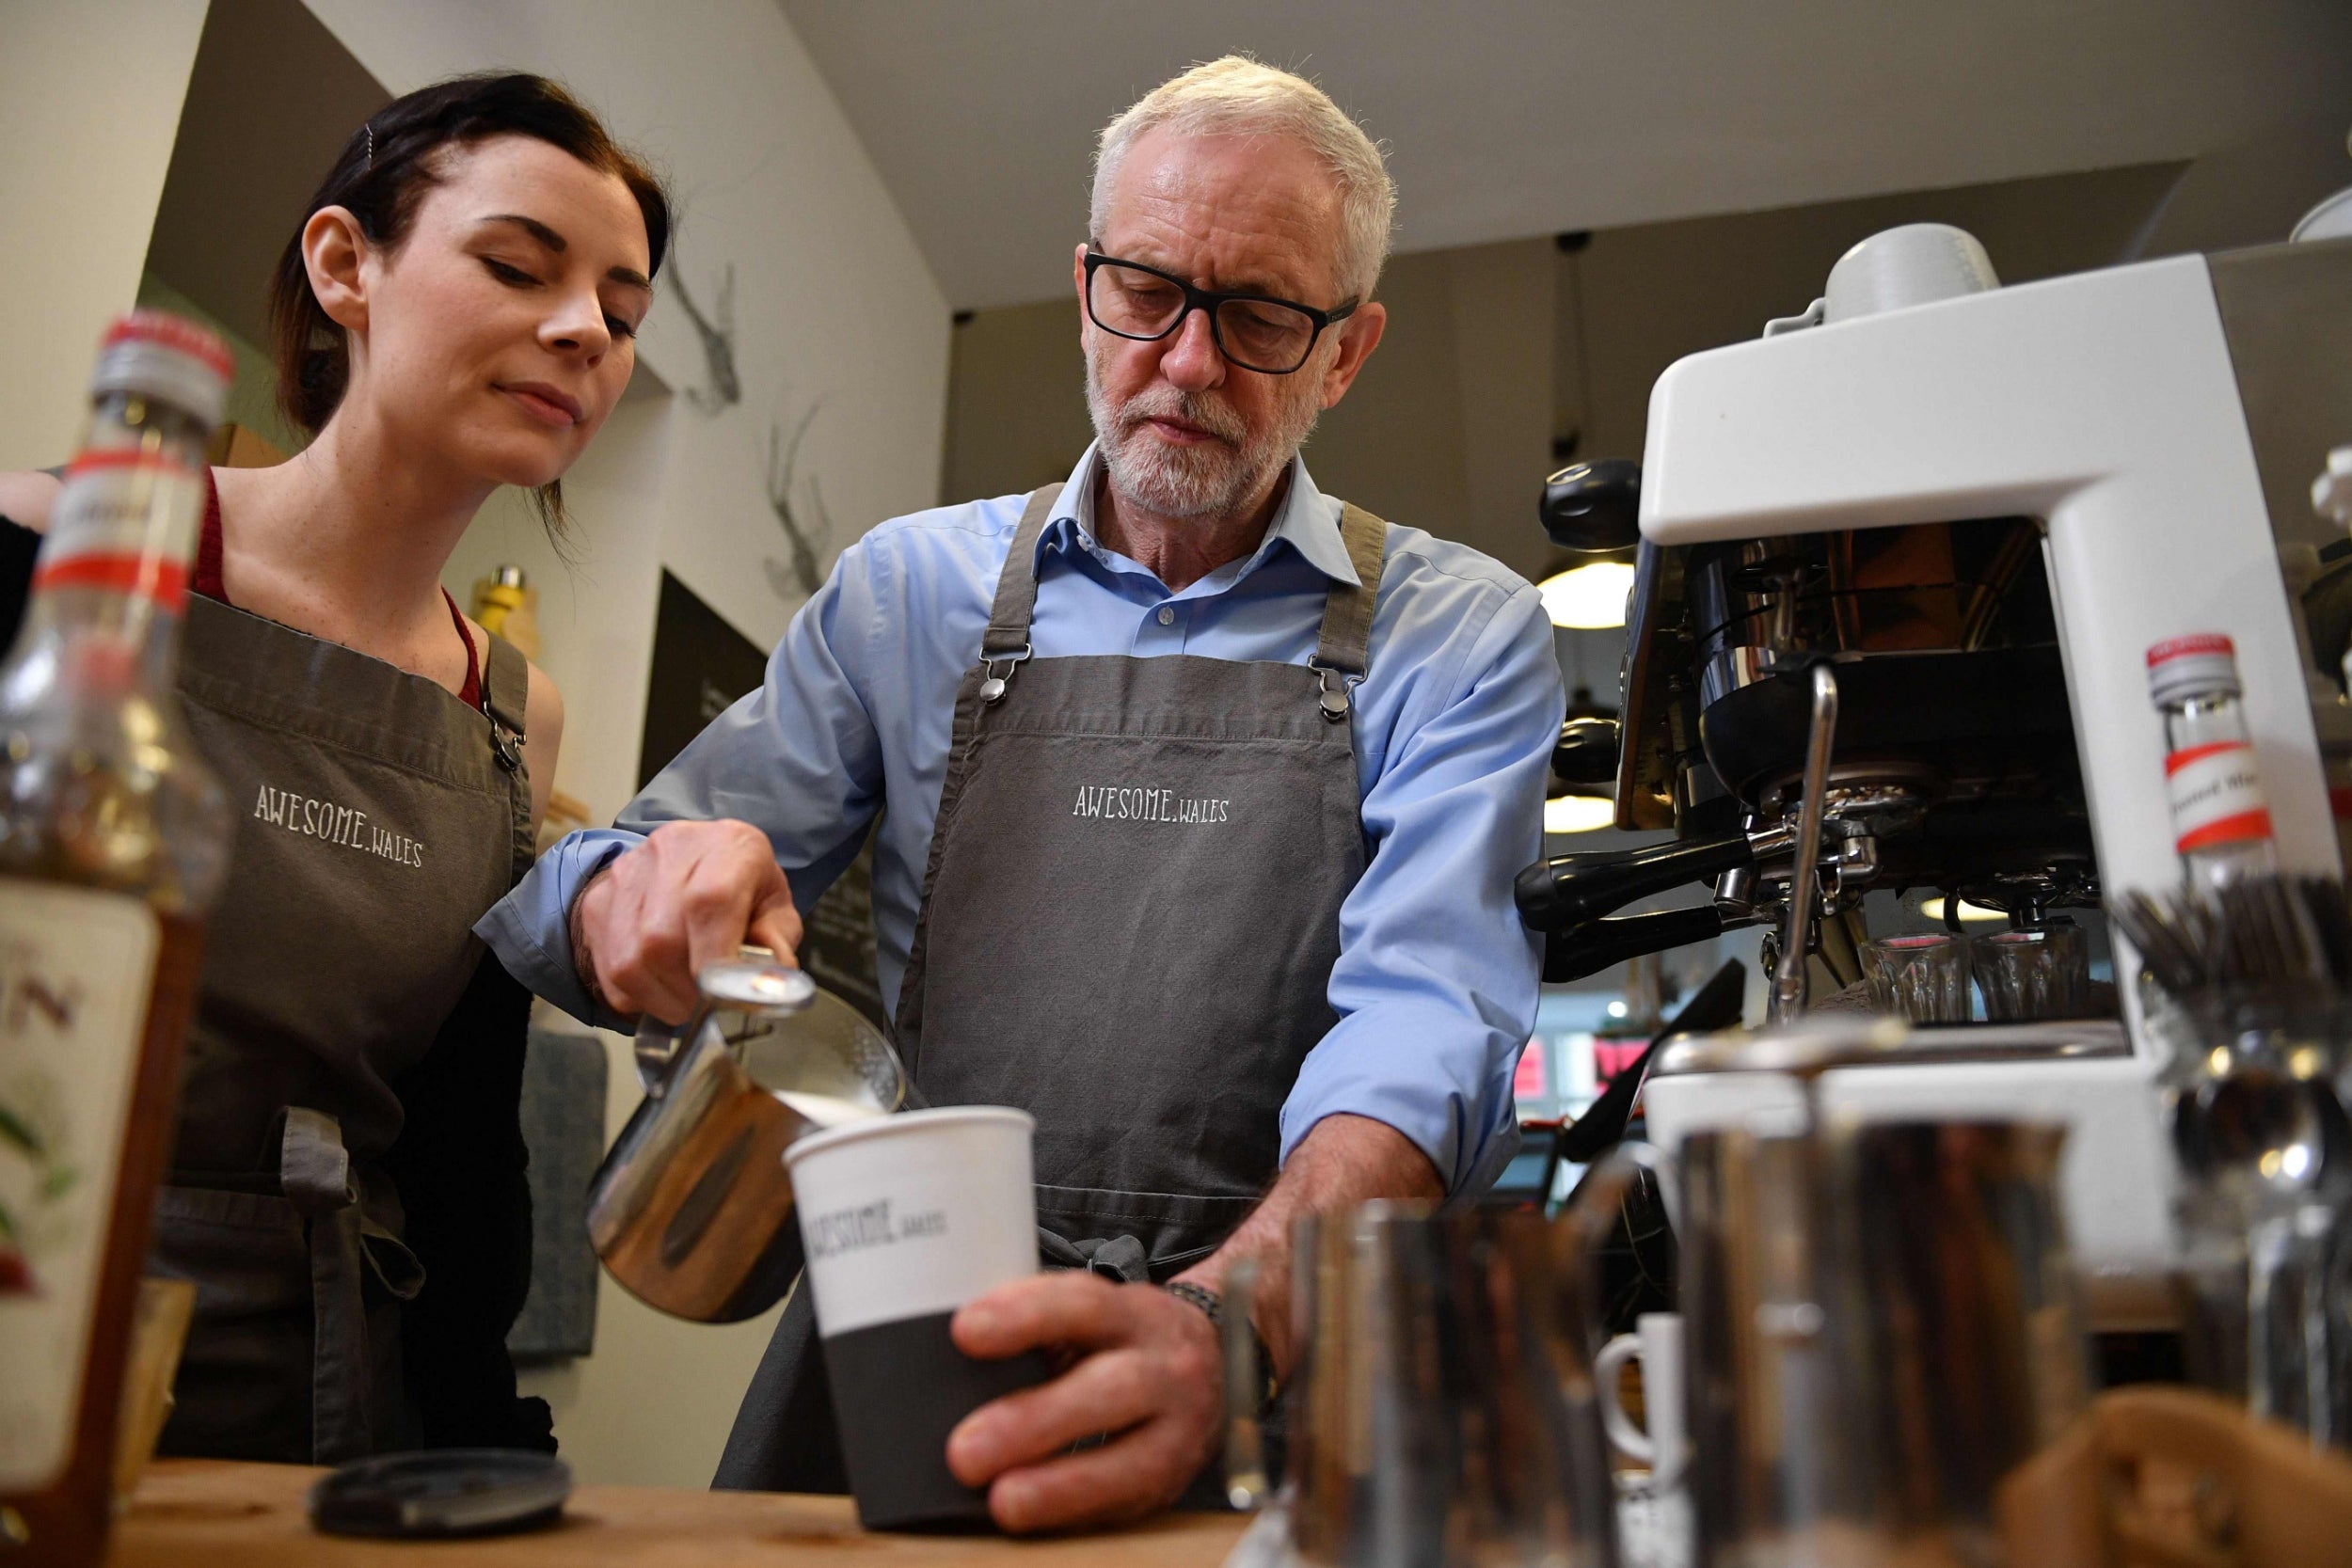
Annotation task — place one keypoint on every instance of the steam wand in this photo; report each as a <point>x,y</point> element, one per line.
<point>1789,980</point>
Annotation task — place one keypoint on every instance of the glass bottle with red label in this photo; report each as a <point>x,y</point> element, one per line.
<point>112,841</point>
<point>2220,817</point>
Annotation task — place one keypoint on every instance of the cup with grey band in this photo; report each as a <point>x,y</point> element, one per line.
<point>904,1219</point>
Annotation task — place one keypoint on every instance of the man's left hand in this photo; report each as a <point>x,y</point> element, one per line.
<point>1148,1376</point>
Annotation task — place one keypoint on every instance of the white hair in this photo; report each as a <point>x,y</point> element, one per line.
<point>1237,96</point>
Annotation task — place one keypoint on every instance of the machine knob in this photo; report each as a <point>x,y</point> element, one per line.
<point>1594,508</point>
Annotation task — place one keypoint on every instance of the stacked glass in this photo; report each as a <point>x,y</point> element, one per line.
<point>1922,978</point>
<point>2042,973</point>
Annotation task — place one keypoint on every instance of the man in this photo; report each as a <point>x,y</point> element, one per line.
<point>1202,798</point>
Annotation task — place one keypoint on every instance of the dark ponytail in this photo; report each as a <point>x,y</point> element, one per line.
<point>382,177</point>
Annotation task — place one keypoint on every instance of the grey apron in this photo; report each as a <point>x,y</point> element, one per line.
<point>377,815</point>
<point>1129,920</point>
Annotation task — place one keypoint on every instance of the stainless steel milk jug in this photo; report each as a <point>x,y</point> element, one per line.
<point>691,1209</point>
<point>1442,1410</point>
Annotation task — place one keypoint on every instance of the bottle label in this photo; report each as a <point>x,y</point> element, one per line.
<point>76,971</point>
<point>2216,794</point>
<point>126,522</point>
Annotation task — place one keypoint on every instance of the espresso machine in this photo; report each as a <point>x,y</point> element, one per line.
<point>1899,563</point>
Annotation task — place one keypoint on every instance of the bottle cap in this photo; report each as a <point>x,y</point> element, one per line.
<point>167,359</point>
<point>2203,664</point>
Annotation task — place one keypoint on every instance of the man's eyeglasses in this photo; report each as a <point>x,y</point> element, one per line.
<point>1272,336</point>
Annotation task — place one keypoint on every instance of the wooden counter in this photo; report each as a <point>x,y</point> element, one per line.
<point>198,1513</point>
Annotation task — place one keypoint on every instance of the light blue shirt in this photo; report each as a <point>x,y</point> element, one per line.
<point>1435,982</point>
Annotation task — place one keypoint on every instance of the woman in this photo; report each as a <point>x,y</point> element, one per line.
<point>456,314</point>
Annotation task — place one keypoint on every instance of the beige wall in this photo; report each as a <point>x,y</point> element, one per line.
<point>1016,401</point>
<point>90,99</point>
<point>1393,445</point>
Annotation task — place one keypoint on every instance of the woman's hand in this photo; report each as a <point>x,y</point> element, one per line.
<point>690,895</point>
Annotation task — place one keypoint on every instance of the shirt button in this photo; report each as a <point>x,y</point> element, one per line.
<point>1167,616</point>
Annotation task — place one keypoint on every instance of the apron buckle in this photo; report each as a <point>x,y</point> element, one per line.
<point>503,746</point>
<point>993,688</point>
<point>1336,685</point>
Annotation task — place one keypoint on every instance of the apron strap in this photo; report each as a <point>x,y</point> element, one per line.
<point>315,1171</point>
<point>313,1167</point>
<point>505,694</point>
<point>1342,649</point>
<point>1007,634</point>
<point>1119,1259</point>
<point>1347,638</point>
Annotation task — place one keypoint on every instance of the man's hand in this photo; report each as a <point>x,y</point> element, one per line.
<point>1343,1159</point>
<point>1148,1378</point>
<point>690,895</point>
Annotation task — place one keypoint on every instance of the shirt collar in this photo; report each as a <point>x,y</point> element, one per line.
<point>1305,521</point>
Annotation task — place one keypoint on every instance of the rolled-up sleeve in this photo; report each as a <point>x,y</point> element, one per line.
<point>798,759</point>
<point>530,929</point>
<point>1436,980</point>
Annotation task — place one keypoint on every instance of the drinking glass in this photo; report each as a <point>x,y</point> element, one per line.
<point>2037,973</point>
<point>1922,979</point>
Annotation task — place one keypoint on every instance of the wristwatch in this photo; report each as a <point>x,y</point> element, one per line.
<point>1212,1307</point>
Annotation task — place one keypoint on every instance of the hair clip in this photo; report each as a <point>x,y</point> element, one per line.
<point>370,130</point>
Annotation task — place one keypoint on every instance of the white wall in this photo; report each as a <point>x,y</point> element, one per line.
<point>89,101</point>
<point>830,300</point>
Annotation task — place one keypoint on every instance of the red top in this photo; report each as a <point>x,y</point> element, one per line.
<point>175,333</point>
<point>2206,642</point>
<point>206,580</point>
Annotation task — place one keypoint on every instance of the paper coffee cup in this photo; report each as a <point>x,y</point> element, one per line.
<point>904,1219</point>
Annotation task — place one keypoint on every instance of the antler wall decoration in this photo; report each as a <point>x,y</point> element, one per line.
<point>793,495</point>
<point>806,528</point>
<point>718,341</point>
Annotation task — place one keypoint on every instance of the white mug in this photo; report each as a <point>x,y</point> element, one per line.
<point>1912,264</point>
<point>1915,263</point>
<point>1657,1341</point>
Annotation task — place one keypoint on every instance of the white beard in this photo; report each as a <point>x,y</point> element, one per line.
<point>1210,480</point>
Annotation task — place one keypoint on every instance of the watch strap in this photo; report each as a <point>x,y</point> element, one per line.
<point>1210,1304</point>
<point>1212,1307</point>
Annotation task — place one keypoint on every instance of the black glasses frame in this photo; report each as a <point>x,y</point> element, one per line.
<point>1208,300</point>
